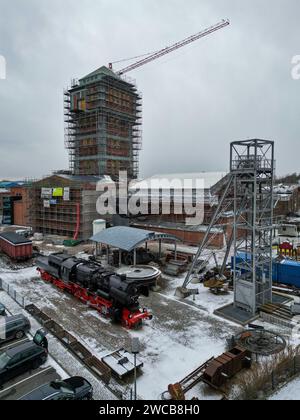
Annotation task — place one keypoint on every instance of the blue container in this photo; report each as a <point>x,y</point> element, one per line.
<point>287,272</point>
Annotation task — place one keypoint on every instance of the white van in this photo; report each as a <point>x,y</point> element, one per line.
<point>288,230</point>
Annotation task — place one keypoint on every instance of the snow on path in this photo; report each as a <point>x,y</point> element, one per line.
<point>182,335</point>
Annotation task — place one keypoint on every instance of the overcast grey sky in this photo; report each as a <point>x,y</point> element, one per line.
<point>235,84</point>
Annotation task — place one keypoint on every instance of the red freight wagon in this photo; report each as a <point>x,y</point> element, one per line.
<point>15,246</point>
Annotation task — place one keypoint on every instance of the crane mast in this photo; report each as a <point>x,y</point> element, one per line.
<point>172,48</point>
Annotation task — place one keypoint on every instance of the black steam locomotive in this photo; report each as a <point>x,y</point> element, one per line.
<point>114,296</point>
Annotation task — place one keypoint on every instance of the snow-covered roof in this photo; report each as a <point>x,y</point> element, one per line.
<point>99,73</point>
<point>285,189</point>
<point>129,238</point>
<point>210,179</point>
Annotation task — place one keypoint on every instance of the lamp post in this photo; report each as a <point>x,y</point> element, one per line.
<point>135,350</point>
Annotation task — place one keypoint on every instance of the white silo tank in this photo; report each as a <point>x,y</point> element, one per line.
<point>98,226</point>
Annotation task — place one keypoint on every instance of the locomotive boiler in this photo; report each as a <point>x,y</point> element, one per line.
<point>114,296</point>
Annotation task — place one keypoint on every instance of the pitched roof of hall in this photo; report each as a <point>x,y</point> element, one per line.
<point>85,178</point>
<point>210,179</point>
<point>89,179</point>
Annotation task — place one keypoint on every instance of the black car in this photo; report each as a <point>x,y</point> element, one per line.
<point>21,359</point>
<point>2,310</point>
<point>70,389</point>
<point>13,328</point>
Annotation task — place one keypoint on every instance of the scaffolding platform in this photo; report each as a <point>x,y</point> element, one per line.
<point>236,315</point>
<point>242,317</point>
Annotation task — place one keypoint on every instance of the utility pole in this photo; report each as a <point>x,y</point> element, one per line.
<point>135,350</point>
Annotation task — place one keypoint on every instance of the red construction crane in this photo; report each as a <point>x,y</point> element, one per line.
<point>154,56</point>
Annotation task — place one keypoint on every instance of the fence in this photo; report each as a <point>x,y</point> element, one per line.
<point>265,378</point>
<point>17,297</point>
<point>285,371</point>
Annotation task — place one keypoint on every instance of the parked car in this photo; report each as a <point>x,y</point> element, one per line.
<point>14,328</point>
<point>21,359</point>
<point>2,310</point>
<point>71,389</point>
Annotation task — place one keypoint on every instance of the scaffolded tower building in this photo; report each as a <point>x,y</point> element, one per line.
<point>103,117</point>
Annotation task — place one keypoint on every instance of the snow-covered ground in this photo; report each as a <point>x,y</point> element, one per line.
<point>290,392</point>
<point>182,335</point>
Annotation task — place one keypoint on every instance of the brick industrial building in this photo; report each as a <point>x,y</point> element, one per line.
<point>65,205</point>
<point>15,203</point>
<point>21,205</point>
<point>208,190</point>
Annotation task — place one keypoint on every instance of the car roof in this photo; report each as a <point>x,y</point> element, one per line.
<point>48,390</point>
<point>21,347</point>
<point>13,318</point>
<point>76,382</point>
<point>44,391</point>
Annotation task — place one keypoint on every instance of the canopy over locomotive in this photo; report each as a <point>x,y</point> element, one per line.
<point>115,296</point>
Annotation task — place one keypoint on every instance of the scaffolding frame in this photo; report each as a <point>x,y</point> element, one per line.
<point>59,219</point>
<point>107,129</point>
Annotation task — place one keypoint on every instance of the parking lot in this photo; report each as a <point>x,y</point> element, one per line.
<point>62,363</point>
<point>14,390</point>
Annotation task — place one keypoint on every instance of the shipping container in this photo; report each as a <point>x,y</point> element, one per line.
<point>285,272</point>
<point>15,246</point>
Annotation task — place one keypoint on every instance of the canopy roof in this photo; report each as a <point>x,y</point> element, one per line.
<point>128,238</point>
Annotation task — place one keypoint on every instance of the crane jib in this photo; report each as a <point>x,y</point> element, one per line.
<point>174,47</point>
